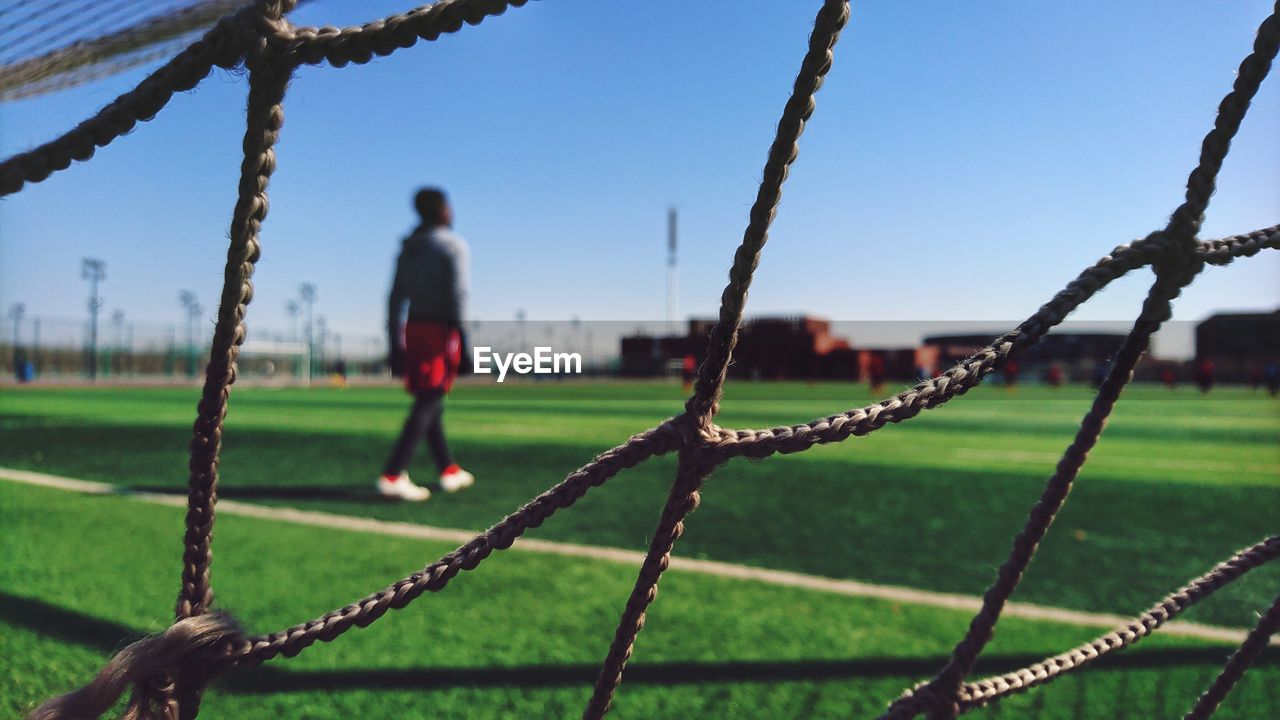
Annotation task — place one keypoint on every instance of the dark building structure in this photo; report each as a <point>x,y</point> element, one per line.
<point>1239,345</point>
<point>892,364</point>
<point>1071,348</point>
<point>773,348</point>
<point>1239,336</point>
<point>769,348</point>
<point>648,356</point>
<point>1076,354</point>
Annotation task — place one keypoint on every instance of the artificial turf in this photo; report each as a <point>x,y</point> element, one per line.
<point>1178,483</point>
<point>521,635</point>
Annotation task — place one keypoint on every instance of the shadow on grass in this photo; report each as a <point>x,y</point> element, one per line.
<point>935,529</point>
<point>106,636</point>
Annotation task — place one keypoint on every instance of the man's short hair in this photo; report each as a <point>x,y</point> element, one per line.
<point>430,203</point>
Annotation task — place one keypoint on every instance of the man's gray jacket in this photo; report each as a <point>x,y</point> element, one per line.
<point>432,278</point>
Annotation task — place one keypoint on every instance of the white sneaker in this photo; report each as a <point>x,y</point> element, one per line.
<point>456,480</point>
<point>402,488</point>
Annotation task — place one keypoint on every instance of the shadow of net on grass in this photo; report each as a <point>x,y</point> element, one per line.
<point>167,673</point>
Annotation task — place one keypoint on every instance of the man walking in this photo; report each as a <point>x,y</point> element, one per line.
<point>431,280</point>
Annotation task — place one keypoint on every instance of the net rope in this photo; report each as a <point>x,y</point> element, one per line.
<point>59,44</point>
<point>166,674</point>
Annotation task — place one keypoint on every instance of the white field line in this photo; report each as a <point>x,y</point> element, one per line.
<point>851,588</point>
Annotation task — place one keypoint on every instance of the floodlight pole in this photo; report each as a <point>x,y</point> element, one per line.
<point>35,344</point>
<point>94,271</point>
<point>294,311</point>
<point>16,312</point>
<point>673,290</point>
<point>192,307</point>
<point>307,294</point>
<point>117,319</point>
<point>322,331</point>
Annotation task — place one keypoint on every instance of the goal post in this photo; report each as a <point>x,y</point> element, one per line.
<point>274,362</point>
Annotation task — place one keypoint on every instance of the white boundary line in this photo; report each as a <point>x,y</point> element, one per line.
<point>850,588</point>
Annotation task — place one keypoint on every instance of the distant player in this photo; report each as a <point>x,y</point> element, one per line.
<point>431,279</point>
<point>875,374</point>
<point>1053,376</point>
<point>688,371</point>
<point>1100,370</point>
<point>1011,370</point>
<point>1204,374</point>
<point>339,376</point>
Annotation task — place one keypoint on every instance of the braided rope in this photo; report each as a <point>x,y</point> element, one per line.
<point>87,59</point>
<point>144,666</point>
<point>684,499</point>
<point>436,576</point>
<point>1239,662</point>
<point>694,466</point>
<point>222,46</point>
<point>57,73</point>
<point>225,46</point>
<point>1156,309</point>
<point>984,692</point>
<point>168,672</point>
<point>70,19</point>
<point>968,373</point>
<point>382,37</point>
<point>1176,268</point>
<point>267,83</point>
<point>708,388</point>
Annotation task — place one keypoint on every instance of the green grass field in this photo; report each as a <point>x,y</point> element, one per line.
<point>1178,483</point>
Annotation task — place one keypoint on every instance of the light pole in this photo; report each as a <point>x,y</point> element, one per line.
<point>322,330</point>
<point>673,286</point>
<point>16,312</point>
<point>294,311</point>
<point>117,360</point>
<point>35,345</point>
<point>307,294</point>
<point>193,310</point>
<point>94,271</point>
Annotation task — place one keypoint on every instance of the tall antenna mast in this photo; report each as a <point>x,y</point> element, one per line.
<point>673,292</point>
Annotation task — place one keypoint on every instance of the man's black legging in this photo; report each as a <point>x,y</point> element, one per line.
<point>425,420</point>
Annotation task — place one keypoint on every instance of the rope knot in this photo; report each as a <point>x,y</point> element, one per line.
<point>686,431</point>
<point>189,649</point>
<point>690,433</point>
<point>1178,257</point>
<point>257,24</point>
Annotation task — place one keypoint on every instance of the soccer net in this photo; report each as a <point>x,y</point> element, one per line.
<point>168,672</point>
<point>50,45</point>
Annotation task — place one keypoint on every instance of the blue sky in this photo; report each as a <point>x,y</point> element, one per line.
<point>965,161</point>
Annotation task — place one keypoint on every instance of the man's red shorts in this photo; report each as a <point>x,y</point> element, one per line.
<point>432,354</point>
